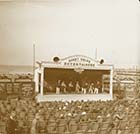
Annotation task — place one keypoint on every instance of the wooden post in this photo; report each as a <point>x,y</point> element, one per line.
<point>111,83</point>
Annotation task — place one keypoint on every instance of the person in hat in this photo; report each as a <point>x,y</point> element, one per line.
<point>12,124</point>
<point>34,124</point>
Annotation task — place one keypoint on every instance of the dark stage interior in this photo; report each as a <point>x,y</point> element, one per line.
<point>52,75</point>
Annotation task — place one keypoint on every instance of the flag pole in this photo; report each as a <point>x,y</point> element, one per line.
<point>33,61</point>
<point>96,54</point>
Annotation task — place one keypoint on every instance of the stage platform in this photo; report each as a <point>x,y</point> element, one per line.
<point>73,97</point>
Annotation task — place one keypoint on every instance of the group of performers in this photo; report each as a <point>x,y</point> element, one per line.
<point>86,88</point>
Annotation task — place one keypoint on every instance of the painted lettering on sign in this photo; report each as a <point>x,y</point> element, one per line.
<point>79,60</point>
<point>74,59</point>
<point>78,64</point>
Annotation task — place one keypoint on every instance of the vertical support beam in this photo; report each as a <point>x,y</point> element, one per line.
<point>102,83</point>
<point>42,80</point>
<point>111,83</point>
<point>36,79</point>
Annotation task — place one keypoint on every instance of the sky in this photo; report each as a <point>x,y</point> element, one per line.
<point>69,27</point>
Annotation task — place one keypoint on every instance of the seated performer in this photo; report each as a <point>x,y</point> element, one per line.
<point>91,88</point>
<point>96,91</point>
<point>70,86</point>
<point>84,89</point>
<point>63,87</point>
<point>77,87</point>
<point>58,86</point>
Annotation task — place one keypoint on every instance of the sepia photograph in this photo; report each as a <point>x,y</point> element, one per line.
<point>69,67</point>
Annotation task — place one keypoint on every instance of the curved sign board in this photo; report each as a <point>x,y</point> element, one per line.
<point>76,62</point>
<point>79,58</point>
